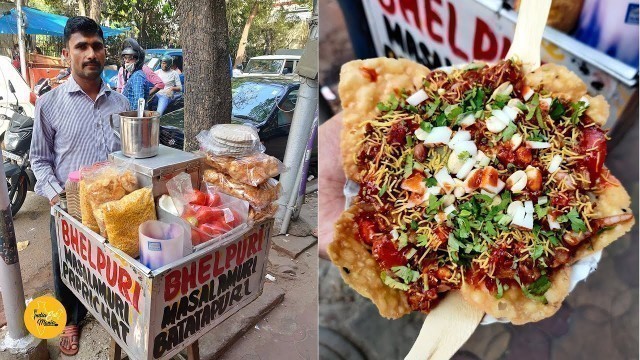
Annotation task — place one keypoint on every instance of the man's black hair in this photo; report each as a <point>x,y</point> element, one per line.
<point>81,24</point>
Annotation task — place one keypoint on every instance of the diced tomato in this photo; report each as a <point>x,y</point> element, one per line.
<point>397,134</point>
<point>366,230</point>
<point>594,145</point>
<point>199,198</point>
<point>214,200</point>
<point>195,237</point>
<point>214,229</point>
<point>387,254</point>
<point>206,214</point>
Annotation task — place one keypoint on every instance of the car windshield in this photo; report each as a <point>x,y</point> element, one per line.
<point>254,101</point>
<point>264,66</point>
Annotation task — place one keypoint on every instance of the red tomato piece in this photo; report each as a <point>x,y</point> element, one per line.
<point>366,230</point>
<point>387,254</point>
<point>594,145</point>
<point>207,215</point>
<point>214,200</point>
<point>199,198</point>
<point>195,237</point>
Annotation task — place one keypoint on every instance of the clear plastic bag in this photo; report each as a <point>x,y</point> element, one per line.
<point>258,196</point>
<point>266,213</point>
<point>254,169</point>
<point>209,212</point>
<point>101,183</point>
<point>230,140</point>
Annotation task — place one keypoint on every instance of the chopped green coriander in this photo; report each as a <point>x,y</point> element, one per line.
<point>578,109</point>
<point>392,283</point>
<point>410,140</point>
<point>431,182</point>
<point>406,274</point>
<point>423,240</point>
<point>500,289</point>
<point>463,156</point>
<point>414,225</point>
<point>541,211</point>
<point>402,240</point>
<point>426,126</point>
<point>556,110</point>
<point>537,251</point>
<point>540,286</point>
<point>408,167</point>
<point>509,131</point>
<point>383,190</point>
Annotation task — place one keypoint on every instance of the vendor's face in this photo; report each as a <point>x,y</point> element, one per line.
<point>86,54</point>
<point>164,65</point>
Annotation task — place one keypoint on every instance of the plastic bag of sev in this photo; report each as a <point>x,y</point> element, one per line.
<point>123,217</point>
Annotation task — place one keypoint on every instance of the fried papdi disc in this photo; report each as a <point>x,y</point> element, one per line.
<point>558,80</point>
<point>363,84</point>
<point>613,200</point>
<point>515,306</point>
<point>360,270</point>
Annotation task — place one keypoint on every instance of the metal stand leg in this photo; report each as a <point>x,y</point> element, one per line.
<point>193,351</point>
<point>115,351</point>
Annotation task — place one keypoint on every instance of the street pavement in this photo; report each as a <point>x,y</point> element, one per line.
<point>281,324</point>
<point>599,320</point>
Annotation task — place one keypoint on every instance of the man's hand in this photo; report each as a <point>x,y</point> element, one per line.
<point>331,181</point>
<point>55,200</point>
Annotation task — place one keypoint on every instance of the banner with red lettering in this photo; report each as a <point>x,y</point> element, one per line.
<point>153,315</point>
<point>111,289</point>
<point>440,33</point>
<point>191,299</point>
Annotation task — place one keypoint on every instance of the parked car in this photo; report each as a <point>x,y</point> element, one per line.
<point>23,95</point>
<point>271,65</point>
<point>266,103</point>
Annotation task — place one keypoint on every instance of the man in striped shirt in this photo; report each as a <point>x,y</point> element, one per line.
<point>71,130</point>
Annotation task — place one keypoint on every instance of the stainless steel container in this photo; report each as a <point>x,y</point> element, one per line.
<point>140,136</point>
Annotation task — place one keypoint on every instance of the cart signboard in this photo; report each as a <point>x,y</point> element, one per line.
<point>440,33</point>
<point>153,315</point>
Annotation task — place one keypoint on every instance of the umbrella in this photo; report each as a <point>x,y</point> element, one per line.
<point>41,23</point>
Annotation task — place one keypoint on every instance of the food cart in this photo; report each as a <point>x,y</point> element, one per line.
<point>154,314</point>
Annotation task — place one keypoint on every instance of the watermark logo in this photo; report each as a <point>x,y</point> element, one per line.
<point>45,317</point>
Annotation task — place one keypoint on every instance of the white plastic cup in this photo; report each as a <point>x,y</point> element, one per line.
<point>160,243</point>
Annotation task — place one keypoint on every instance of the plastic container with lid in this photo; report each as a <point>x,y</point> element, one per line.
<point>72,188</point>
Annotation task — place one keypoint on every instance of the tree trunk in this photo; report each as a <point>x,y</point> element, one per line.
<point>82,9</point>
<point>207,93</point>
<point>95,9</point>
<point>242,45</point>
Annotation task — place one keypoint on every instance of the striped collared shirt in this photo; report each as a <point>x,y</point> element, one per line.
<point>71,131</point>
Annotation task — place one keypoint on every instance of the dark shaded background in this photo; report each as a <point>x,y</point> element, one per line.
<point>599,320</point>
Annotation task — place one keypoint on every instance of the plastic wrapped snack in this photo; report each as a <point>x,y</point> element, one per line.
<point>123,217</point>
<point>101,183</point>
<point>266,213</point>
<point>230,140</point>
<point>252,170</point>
<point>258,196</point>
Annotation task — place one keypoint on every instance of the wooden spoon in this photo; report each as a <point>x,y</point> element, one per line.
<point>453,321</point>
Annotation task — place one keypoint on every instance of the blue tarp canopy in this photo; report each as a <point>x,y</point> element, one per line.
<point>41,23</point>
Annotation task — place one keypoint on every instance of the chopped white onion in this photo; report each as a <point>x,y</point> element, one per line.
<point>537,144</point>
<point>454,163</point>
<point>467,182</point>
<point>441,217</point>
<point>448,199</point>
<point>468,146</point>
<point>421,134</point>
<point>394,234</point>
<point>445,180</point>
<point>542,200</point>
<point>515,205</point>
<point>434,190</point>
<point>554,164</point>
<point>528,207</point>
<point>517,181</point>
<point>500,114</point>
<point>417,98</point>
<point>461,135</point>
<point>495,189</point>
<point>545,103</point>
<point>585,101</point>
<point>522,219</point>
<point>459,192</point>
<point>512,113</point>
<point>516,140</point>
<point>514,103</point>
<point>439,135</point>
<point>503,89</point>
<point>495,125</point>
<point>482,159</point>
<point>449,209</point>
<point>527,93</point>
<point>466,168</point>
<point>467,121</point>
<point>553,224</point>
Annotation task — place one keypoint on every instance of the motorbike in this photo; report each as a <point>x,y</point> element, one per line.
<point>16,146</point>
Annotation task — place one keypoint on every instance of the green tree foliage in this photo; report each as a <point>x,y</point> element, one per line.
<point>272,29</point>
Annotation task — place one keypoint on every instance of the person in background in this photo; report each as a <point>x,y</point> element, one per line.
<point>172,83</point>
<point>71,130</point>
<point>151,77</point>
<point>136,85</point>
